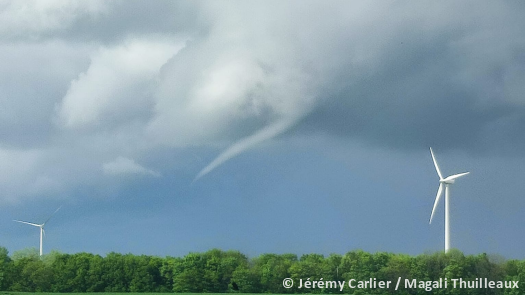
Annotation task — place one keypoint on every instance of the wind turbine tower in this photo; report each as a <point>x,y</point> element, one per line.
<point>41,226</point>
<point>446,182</point>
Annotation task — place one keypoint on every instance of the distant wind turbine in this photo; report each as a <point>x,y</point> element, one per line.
<point>444,182</point>
<point>41,226</point>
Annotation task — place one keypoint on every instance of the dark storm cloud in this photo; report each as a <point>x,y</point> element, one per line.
<point>454,85</point>
<point>423,111</point>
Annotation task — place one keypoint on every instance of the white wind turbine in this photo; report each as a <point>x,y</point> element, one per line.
<point>444,182</point>
<point>41,226</point>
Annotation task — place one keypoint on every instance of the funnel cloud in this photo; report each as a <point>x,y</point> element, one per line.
<point>246,143</point>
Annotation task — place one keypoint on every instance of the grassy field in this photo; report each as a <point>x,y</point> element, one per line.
<point>100,293</point>
<point>130,293</point>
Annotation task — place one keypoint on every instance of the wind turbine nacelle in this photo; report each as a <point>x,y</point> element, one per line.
<point>448,181</point>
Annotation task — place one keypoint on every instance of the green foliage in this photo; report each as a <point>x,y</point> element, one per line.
<point>246,279</point>
<point>5,269</point>
<point>189,275</point>
<point>217,271</point>
<point>272,269</point>
<point>25,253</point>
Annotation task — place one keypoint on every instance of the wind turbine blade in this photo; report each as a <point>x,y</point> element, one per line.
<point>438,196</point>
<point>44,232</point>
<point>452,177</point>
<point>436,164</point>
<point>52,215</point>
<point>33,224</point>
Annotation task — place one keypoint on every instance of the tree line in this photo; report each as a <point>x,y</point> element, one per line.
<point>218,271</point>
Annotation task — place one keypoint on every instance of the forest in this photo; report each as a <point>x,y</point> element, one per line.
<point>218,271</point>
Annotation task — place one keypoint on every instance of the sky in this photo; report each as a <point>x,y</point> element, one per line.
<point>169,127</point>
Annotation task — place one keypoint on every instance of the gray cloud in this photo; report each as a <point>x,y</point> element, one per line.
<point>449,82</point>
<point>33,19</point>
<point>123,165</point>
<point>117,84</point>
<point>108,22</point>
<point>33,77</point>
<point>398,74</point>
<point>403,76</point>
